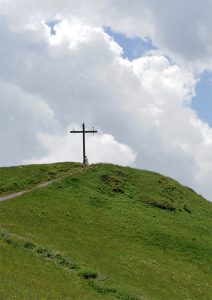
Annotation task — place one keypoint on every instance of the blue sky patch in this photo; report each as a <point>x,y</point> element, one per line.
<point>133,47</point>
<point>52,24</point>
<point>202,103</point>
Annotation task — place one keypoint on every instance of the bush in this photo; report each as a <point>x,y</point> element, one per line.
<point>159,202</point>
<point>88,274</point>
<point>185,207</point>
<point>115,182</point>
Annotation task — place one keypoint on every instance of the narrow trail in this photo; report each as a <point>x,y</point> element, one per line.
<point>42,185</point>
<point>11,196</point>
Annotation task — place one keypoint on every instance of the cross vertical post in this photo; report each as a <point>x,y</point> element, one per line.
<point>83,139</point>
<point>83,142</point>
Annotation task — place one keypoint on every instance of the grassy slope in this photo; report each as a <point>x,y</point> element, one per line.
<point>25,277</point>
<point>144,233</point>
<point>15,179</point>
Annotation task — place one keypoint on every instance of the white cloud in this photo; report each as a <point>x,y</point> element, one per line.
<point>100,148</point>
<point>22,115</point>
<point>182,29</point>
<point>48,82</point>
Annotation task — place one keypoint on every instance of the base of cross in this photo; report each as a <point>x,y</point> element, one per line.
<point>86,161</point>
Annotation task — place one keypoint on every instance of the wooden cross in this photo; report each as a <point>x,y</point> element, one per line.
<point>83,131</point>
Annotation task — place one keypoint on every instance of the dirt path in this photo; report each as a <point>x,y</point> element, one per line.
<point>4,198</point>
<point>40,185</point>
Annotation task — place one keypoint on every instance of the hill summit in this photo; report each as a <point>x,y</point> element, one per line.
<point>101,232</point>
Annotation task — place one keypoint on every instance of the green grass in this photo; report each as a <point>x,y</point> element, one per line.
<point>121,233</point>
<point>15,179</point>
<point>24,276</point>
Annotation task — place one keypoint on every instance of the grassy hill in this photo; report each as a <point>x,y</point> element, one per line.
<point>102,232</point>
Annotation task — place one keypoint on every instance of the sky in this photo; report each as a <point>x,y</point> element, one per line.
<point>134,47</point>
<point>140,71</point>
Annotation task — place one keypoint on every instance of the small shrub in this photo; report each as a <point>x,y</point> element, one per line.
<point>185,207</point>
<point>162,179</point>
<point>159,202</point>
<point>64,262</point>
<point>88,274</point>
<point>118,190</point>
<point>126,297</point>
<point>102,289</point>
<point>52,173</point>
<point>115,182</point>
<point>29,245</point>
<point>58,256</point>
<point>42,251</point>
<point>73,266</point>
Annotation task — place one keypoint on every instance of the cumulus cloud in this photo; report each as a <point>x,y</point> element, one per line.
<point>102,148</point>
<point>22,115</point>
<point>50,81</point>
<point>180,28</point>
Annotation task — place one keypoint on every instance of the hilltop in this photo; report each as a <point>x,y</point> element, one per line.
<point>102,232</point>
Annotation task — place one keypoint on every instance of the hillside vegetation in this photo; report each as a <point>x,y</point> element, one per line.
<point>102,232</point>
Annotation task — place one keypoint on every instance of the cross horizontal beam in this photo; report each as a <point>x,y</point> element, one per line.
<point>86,131</point>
